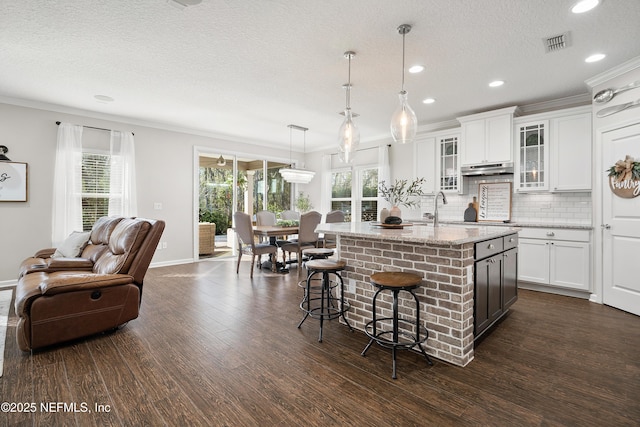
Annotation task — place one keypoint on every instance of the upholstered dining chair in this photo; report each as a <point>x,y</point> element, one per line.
<point>307,236</point>
<point>246,241</point>
<point>330,240</point>
<point>288,214</point>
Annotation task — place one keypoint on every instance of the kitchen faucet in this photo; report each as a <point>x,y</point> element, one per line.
<point>435,214</point>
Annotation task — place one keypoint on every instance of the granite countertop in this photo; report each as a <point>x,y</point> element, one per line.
<point>444,234</point>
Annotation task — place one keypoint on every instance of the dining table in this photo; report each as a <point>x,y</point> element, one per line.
<point>272,232</point>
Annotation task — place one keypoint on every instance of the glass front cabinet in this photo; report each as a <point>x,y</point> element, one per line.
<point>532,162</point>
<point>449,162</point>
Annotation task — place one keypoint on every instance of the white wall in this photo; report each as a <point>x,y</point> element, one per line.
<point>164,163</point>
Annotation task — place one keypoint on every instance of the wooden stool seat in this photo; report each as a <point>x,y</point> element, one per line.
<point>314,253</point>
<point>395,279</point>
<point>326,265</point>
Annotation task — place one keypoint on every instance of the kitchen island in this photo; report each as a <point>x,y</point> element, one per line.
<point>443,256</point>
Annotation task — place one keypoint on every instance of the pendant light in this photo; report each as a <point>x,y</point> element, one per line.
<point>348,134</point>
<point>297,175</point>
<point>404,123</point>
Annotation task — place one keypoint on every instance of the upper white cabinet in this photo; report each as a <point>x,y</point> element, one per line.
<point>487,137</point>
<point>553,151</point>
<point>571,153</point>
<point>425,162</point>
<point>448,168</point>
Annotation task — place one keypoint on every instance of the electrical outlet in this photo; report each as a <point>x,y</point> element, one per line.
<point>351,286</point>
<point>157,206</point>
<point>164,245</point>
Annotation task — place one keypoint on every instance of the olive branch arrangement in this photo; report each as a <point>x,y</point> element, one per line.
<point>401,192</point>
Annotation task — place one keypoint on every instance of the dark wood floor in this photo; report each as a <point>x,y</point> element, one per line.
<point>213,348</point>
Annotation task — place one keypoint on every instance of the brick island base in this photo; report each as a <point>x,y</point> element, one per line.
<point>446,295</point>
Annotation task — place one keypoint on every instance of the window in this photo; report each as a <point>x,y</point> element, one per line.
<point>341,184</point>
<point>96,172</point>
<point>358,198</point>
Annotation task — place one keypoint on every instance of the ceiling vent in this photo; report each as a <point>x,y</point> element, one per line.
<point>555,43</point>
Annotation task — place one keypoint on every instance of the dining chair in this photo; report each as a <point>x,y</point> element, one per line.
<point>289,214</point>
<point>330,240</point>
<point>246,241</point>
<point>307,236</point>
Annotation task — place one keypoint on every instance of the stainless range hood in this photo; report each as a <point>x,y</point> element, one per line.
<point>487,169</point>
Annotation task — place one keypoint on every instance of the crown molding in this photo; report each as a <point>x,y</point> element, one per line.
<point>621,69</point>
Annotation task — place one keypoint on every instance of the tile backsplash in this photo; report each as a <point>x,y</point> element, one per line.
<point>537,207</point>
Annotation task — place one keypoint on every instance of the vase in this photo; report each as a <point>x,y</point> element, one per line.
<point>395,211</point>
<point>384,213</point>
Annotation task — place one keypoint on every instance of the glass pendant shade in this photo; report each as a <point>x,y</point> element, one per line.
<point>404,123</point>
<point>349,137</point>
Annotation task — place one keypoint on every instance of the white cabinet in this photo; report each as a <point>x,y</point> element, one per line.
<point>532,154</point>
<point>553,151</point>
<point>487,137</point>
<point>555,257</point>
<point>448,168</point>
<point>571,153</point>
<point>425,162</point>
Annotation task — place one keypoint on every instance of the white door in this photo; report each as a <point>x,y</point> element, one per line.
<point>621,221</point>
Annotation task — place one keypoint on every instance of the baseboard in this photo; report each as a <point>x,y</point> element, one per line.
<point>553,290</point>
<point>172,262</point>
<point>8,284</point>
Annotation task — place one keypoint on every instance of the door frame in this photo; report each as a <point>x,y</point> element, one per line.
<point>599,168</point>
<point>199,150</point>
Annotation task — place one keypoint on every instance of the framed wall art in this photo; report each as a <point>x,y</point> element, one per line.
<point>494,201</point>
<point>13,182</point>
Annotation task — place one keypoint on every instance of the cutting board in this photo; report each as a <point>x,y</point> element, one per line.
<point>470,214</point>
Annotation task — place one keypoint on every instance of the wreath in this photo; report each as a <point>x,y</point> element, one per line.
<point>626,169</point>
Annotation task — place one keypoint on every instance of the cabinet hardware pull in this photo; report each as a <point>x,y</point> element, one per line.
<point>551,234</point>
<point>491,246</point>
<point>511,240</point>
<point>606,226</point>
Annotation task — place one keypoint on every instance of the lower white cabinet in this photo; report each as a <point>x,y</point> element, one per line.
<point>555,257</point>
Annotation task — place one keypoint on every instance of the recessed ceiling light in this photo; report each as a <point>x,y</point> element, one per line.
<point>496,83</point>
<point>584,6</point>
<point>416,69</point>
<point>429,100</point>
<point>595,57</point>
<point>103,98</point>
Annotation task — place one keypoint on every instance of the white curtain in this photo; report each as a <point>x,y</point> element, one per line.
<point>325,193</point>
<point>122,186</point>
<point>384,172</point>
<point>67,183</point>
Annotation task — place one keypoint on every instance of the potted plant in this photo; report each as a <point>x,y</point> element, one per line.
<point>303,203</point>
<point>401,193</point>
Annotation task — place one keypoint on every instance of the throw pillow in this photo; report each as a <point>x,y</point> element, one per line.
<point>73,245</point>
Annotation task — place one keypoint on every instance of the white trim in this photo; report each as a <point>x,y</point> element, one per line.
<point>170,263</point>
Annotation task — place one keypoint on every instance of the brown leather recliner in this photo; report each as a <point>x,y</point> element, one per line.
<point>61,299</point>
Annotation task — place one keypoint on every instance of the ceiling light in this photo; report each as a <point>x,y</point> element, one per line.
<point>404,122</point>
<point>595,57</point>
<point>428,100</point>
<point>416,69</point>
<point>584,6</point>
<point>496,83</point>
<point>221,161</point>
<point>348,134</point>
<point>295,175</point>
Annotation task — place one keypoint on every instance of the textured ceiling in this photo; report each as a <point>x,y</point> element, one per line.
<point>245,69</point>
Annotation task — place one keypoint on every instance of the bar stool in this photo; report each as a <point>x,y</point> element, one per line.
<point>311,254</point>
<point>319,302</point>
<point>399,339</point>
